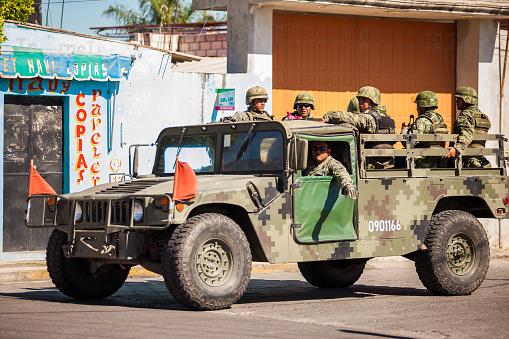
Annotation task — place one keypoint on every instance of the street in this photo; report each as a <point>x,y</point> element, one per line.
<point>388,301</point>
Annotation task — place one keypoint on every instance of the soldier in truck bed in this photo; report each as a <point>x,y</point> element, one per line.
<point>323,164</point>
<point>470,121</point>
<point>428,122</point>
<point>373,119</point>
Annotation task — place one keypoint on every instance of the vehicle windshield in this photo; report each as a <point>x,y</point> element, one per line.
<point>255,151</point>
<point>199,151</point>
<point>260,152</point>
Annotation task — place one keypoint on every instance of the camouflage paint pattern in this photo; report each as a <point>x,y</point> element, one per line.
<point>393,212</point>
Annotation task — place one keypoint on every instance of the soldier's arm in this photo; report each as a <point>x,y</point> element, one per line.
<point>240,116</point>
<point>340,173</point>
<point>465,124</point>
<point>365,123</point>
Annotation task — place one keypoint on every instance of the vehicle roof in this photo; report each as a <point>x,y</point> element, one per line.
<point>289,126</point>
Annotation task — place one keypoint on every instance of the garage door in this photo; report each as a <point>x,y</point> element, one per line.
<point>332,57</point>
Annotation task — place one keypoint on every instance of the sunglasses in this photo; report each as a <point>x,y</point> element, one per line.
<point>303,105</point>
<point>321,148</point>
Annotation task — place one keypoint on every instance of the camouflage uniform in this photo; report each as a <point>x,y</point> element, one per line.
<point>428,122</point>
<point>353,105</point>
<point>470,121</point>
<point>302,98</point>
<point>331,167</point>
<point>251,115</point>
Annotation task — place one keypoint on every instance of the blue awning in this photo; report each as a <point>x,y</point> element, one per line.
<point>23,62</point>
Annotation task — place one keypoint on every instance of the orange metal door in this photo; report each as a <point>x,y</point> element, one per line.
<point>332,57</point>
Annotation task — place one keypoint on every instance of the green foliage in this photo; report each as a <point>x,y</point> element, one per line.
<point>153,12</point>
<point>18,10</point>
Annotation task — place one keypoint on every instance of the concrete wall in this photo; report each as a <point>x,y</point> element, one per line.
<point>151,98</point>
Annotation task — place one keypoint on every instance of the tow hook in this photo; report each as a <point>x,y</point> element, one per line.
<point>68,250</point>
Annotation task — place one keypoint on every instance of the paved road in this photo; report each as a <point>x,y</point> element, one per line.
<point>387,302</point>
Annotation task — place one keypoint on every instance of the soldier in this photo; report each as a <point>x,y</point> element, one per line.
<point>470,121</point>
<point>323,164</point>
<point>256,97</point>
<point>353,106</point>
<point>372,119</point>
<point>303,105</point>
<point>427,122</point>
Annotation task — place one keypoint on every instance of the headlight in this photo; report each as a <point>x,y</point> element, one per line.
<point>138,211</point>
<point>78,213</point>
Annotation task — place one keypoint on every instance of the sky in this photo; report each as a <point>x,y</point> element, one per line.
<point>80,15</point>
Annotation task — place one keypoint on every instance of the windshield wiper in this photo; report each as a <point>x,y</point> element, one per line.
<point>245,143</point>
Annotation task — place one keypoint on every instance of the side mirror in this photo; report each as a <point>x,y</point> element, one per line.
<point>298,154</point>
<point>134,170</point>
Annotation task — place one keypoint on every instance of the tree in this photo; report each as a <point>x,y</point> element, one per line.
<point>18,10</point>
<point>153,12</point>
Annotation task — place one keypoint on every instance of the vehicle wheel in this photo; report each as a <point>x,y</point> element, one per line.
<point>207,262</point>
<point>457,256</point>
<point>81,278</point>
<point>332,273</point>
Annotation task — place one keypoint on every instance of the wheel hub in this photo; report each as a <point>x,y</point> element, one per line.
<point>214,262</point>
<point>460,254</point>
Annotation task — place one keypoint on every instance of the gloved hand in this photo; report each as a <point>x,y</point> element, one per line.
<point>350,192</point>
<point>228,119</point>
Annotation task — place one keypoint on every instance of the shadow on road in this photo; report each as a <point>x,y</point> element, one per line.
<point>153,294</point>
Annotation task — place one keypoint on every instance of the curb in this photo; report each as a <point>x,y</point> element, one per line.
<point>13,272</point>
<point>36,270</point>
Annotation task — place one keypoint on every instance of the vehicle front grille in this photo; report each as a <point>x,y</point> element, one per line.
<point>95,212</point>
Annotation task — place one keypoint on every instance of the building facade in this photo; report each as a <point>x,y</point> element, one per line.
<point>73,105</point>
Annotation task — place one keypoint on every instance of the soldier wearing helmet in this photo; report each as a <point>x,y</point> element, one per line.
<point>428,122</point>
<point>373,119</point>
<point>256,97</point>
<point>303,105</point>
<point>470,121</point>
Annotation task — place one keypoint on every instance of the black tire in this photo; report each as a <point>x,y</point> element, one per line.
<point>207,262</point>
<point>457,256</point>
<point>74,277</point>
<point>332,273</point>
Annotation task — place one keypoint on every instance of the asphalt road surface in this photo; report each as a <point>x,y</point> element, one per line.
<point>388,301</point>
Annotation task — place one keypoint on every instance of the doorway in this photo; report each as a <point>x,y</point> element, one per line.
<point>32,130</point>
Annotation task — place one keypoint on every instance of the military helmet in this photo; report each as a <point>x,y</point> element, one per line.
<point>371,93</point>
<point>304,98</point>
<point>256,92</point>
<point>353,106</point>
<point>426,99</point>
<point>468,94</point>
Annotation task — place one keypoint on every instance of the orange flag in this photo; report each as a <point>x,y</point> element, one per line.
<point>37,185</point>
<point>185,185</point>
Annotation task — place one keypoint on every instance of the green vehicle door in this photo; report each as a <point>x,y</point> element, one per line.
<point>322,213</point>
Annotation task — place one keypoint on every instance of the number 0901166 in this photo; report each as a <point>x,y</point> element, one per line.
<point>384,225</point>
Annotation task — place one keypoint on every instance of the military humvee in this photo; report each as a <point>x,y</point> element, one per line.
<point>253,203</point>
